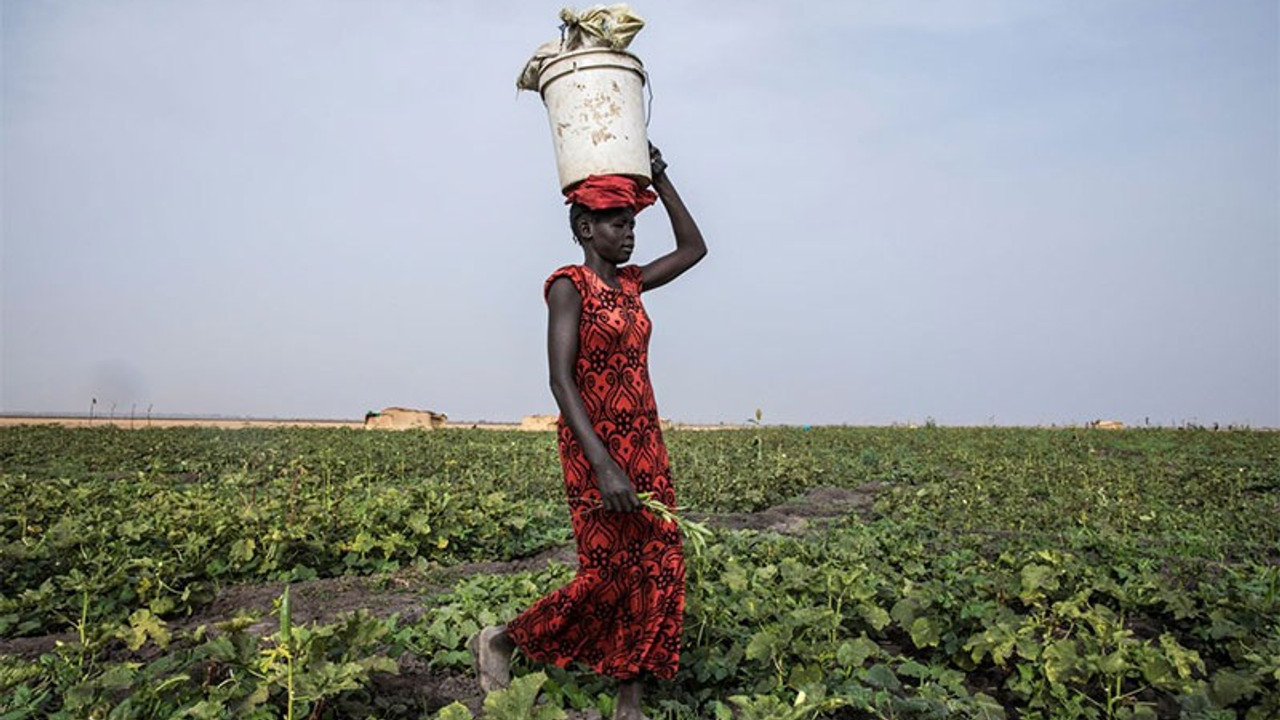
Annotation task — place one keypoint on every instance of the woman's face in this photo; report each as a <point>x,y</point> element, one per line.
<point>613,234</point>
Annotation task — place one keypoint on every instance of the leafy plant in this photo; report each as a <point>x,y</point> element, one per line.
<point>1057,573</point>
<point>519,702</point>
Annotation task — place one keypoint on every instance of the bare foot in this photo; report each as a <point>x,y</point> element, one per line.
<point>491,650</point>
<point>628,707</point>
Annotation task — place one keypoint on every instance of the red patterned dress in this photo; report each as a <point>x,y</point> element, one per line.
<point>622,614</point>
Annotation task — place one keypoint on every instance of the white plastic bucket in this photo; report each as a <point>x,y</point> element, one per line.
<point>595,102</point>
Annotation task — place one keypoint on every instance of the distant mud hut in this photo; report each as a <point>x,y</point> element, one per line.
<point>398,418</point>
<point>538,422</point>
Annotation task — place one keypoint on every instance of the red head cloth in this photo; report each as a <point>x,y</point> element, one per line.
<point>606,192</point>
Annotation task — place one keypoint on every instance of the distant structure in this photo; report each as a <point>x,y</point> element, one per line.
<point>538,422</point>
<point>398,418</point>
<point>1107,425</point>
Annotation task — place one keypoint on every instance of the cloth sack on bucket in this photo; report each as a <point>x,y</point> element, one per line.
<point>600,26</point>
<point>611,26</point>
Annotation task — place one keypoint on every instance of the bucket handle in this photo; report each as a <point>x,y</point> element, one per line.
<point>648,110</point>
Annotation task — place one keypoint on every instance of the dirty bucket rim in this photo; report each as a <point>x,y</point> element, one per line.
<point>591,51</point>
<point>545,76</point>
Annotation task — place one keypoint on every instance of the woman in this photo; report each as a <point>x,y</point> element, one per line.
<point>622,614</point>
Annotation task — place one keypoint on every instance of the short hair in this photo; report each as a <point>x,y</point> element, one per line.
<point>577,211</point>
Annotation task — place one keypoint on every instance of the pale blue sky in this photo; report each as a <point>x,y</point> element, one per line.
<point>988,211</point>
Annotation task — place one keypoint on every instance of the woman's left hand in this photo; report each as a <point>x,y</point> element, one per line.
<point>657,166</point>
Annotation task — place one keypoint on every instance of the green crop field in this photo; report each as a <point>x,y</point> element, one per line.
<point>982,573</point>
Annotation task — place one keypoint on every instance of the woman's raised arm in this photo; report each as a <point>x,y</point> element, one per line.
<point>690,247</point>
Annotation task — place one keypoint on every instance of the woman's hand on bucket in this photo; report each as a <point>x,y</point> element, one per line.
<point>616,493</point>
<point>657,166</point>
